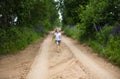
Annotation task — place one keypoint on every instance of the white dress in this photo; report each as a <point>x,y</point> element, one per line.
<point>57,36</point>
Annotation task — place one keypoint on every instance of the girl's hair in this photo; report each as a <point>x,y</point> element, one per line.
<point>55,30</point>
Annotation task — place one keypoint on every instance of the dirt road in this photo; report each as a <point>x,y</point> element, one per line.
<point>73,61</point>
<point>16,66</point>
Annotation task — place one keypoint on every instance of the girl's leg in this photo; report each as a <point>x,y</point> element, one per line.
<point>59,45</point>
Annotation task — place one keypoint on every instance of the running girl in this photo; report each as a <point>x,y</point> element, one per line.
<point>57,36</point>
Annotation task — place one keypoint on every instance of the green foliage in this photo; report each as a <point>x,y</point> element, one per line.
<point>15,39</point>
<point>71,11</point>
<point>92,15</point>
<point>95,20</point>
<point>97,47</point>
<point>24,21</point>
<point>72,32</point>
<point>32,12</point>
<point>113,51</point>
<point>104,35</point>
<point>107,45</point>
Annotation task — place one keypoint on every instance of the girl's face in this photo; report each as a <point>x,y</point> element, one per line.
<point>56,30</point>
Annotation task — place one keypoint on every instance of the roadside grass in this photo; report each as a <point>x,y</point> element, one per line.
<point>106,46</point>
<point>14,39</point>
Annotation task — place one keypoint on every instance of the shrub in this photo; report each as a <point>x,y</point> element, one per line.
<point>104,35</point>
<point>13,39</point>
<point>72,32</point>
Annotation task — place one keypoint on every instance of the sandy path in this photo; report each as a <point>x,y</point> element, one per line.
<point>40,65</point>
<point>93,67</point>
<point>16,66</point>
<point>72,62</point>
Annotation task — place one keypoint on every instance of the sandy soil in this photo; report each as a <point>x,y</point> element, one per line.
<point>17,66</point>
<point>73,61</point>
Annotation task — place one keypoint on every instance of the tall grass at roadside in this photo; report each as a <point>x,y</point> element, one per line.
<point>72,32</point>
<point>14,39</point>
<point>104,43</point>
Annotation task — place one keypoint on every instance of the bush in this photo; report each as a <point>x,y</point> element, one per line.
<point>107,45</point>
<point>72,32</point>
<point>113,50</point>
<point>104,35</point>
<point>13,39</point>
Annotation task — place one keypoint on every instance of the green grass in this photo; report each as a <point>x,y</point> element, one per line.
<point>105,46</point>
<point>15,39</point>
<point>111,51</point>
<point>73,32</point>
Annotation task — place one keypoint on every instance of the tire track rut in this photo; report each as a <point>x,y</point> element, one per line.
<point>69,63</point>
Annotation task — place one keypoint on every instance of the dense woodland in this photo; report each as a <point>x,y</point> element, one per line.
<point>24,21</point>
<point>96,23</point>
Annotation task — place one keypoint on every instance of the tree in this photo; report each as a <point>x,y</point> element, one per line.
<point>24,21</point>
<point>71,11</point>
